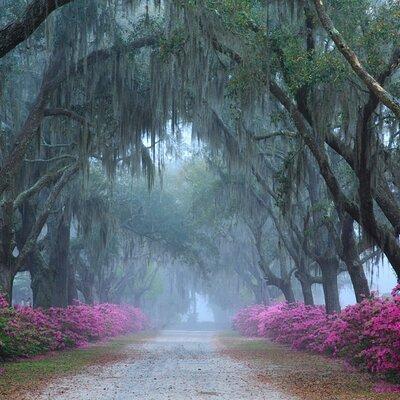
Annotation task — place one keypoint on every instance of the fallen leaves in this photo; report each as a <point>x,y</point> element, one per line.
<point>24,379</point>
<point>306,376</point>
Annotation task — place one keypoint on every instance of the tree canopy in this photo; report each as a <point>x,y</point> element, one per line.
<point>251,141</point>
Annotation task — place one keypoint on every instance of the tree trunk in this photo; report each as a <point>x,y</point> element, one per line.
<point>41,278</point>
<point>329,270</point>
<point>266,298</point>
<point>359,281</point>
<point>303,275</point>
<point>261,294</point>
<point>382,236</point>
<point>53,284</point>
<point>137,299</point>
<point>287,291</point>
<point>258,294</point>
<point>6,281</point>
<point>86,283</point>
<point>352,260</point>
<point>104,292</point>
<point>8,268</point>
<point>41,281</point>
<point>306,288</point>
<point>72,286</point>
<point>59,260</point>
<point>87,292</point>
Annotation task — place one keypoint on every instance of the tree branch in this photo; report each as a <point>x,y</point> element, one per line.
<point>275,134</point>
<point>19,30</point>
<point>382,236</point>
<point>54,75</point>
<point>58,145</point>
<point>373,85</point>
<point>368,257</point>
<point>48,160</point>
<point>62,112</point>
<point>42,218</point>
<point>37,187</point>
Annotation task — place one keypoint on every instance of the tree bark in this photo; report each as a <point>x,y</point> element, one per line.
<point>8,267</point>
<point>352,260</point>
<point>59,259</point>
<point>87,292</point>
<point>103,289</point>
<point>86,281</point>
<point>287,291</point>
<point>384,238</point>
<point>18,31</point>
<point>6,281</point>
<point>306,289</point>
<point>285,285</point>
<point>47,208</point>
<point>382,193</point>
<point>329,270</point>
<point>72,284</point>
<point>41,281</point>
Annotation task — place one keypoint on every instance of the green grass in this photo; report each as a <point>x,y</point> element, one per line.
<point>21,376</point>
<point>234,341</point>
<point>228,334</point>
<point>251,345</point>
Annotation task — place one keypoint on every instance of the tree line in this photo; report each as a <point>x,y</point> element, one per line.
<point>299,106</point>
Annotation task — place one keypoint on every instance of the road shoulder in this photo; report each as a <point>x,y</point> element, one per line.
<point>25,379</point>
<point>306,376</point>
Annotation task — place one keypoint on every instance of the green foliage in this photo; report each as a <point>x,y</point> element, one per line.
<point>5,340</point>
<point>239,16</point>
<point>174,44</point>
<point>374,31</point>
<point>301,67</point>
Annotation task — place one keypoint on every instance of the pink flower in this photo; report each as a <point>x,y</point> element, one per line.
<point>396,290</point>
<point>384,387</point>
<point>366,335</point>
<point>33,331</point>
<point>3,301</point>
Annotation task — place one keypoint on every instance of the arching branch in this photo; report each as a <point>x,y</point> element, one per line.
<point>38,186</point>
<point>19,30</point>
<point>54,75</point>
<point>383,237</point>
<point>63,112</point>
<point>49,160</point>
<point>373,85</point>
<point>44,214</point>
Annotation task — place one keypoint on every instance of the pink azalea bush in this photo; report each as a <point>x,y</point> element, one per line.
<point>366,334</point>
<point>25,331</point>
<point>3,301</point>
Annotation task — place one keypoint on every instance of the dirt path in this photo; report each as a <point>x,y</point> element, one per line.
<point>176,365</point>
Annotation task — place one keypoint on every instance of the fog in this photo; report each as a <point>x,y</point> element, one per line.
<point>157,154</point>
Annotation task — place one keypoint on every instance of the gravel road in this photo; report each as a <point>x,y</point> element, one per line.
<point>176,365</point>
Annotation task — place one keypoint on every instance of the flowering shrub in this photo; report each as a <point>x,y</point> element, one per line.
<point>25,331</point>
<point>3,301</point>
<point>366,334</point>
<point>246,320</point>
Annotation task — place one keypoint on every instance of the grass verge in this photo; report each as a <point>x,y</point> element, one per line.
<point>21,377</point>
<point>303,375</point>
